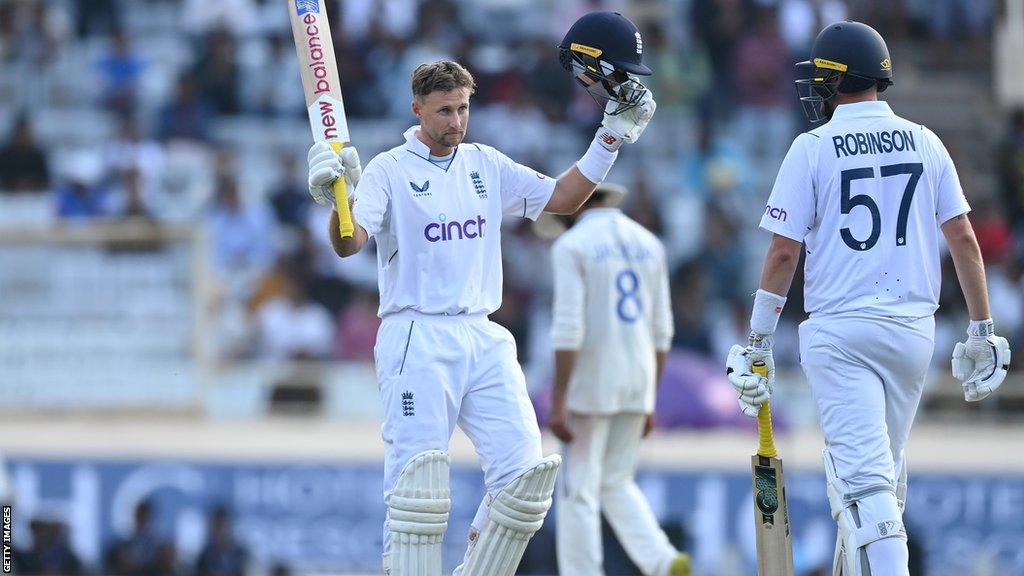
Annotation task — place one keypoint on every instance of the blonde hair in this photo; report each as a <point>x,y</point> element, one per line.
<point>443,76</point>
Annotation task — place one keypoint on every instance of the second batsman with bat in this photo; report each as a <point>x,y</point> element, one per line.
<point>435,205</point>
<point>867,193</point>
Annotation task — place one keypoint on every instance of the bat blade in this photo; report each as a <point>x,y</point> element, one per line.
<point>771,518</point>
<point>771,510</point>
<point>322,87</point>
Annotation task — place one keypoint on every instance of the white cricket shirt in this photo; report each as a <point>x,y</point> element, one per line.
<point>867,193</point>
<point>612,305</point>
<point>438,230</point>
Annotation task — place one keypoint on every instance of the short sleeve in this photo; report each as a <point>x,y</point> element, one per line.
<point>524,191</point>
<point>373,199</point>
<point>949,195</point>
<point>790,209</point>
<point>567,322</point>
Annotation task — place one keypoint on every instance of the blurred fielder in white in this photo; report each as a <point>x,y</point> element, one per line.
<point>867,194</point>
<point>435,205</point>
<point>611,329</point>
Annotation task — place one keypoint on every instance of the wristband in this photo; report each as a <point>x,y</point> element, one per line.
<point>981,328</point>
<point>765,315</point>
<point>595,164</point>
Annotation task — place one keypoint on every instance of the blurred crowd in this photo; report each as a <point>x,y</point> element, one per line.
<point>166,112</point>
<point>146,551</point>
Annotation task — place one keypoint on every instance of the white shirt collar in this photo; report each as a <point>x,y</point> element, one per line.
<point>414,144</point>
<point>872,108</point>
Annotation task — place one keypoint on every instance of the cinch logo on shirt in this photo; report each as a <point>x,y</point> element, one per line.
<point>444,231</point>
<point>776,213</point>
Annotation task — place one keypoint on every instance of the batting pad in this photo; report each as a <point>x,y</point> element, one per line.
<point>516,514</point>
<point>418,516</point>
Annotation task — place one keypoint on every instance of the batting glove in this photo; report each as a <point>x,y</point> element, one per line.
<point>627,126</point>
<point>753,388</point>
<point>325,166</point>
<point>981,363</point>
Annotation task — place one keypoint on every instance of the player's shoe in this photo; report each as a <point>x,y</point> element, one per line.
<point>680,566</point>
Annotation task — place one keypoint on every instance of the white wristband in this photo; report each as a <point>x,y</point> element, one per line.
<point>981,328</point>
<point>765,315</point>
<point>595,164</point>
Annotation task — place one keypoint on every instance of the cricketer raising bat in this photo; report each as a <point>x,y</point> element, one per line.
<point>771,513</point>
<point>319,71</point>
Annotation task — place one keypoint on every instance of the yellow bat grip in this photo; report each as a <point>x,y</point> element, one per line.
<point>766,438</point>
<point>341,200</point>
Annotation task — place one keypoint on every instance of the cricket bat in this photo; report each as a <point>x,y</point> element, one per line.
<point>771,513</point>
<point>319,71</point>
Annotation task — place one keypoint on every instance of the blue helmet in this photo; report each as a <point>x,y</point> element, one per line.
<point>604,52</point>
<point>846,57</point>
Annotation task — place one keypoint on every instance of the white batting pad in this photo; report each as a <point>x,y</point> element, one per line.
<point>517,513</point>
<point>418,516</point>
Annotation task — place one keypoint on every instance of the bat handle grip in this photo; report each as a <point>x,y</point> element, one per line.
<point>341,200</point>
<point>765,435</point>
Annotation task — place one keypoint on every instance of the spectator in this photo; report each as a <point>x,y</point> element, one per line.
<point>953,19</point>
<point>120,70</point>
<point>545,80</point>
<point>722,257</point>
<point>187,115</point>
<point>96,17</point>
<point>85,194</point>
<point>265,93</point>
<point>689,298</point>
<point>1011,171</point>
<point>240,234</point>
<point>217,75</point>
<point>131,150</point>
<point>199,17</point>
<point>22,162</point>
<point>222,555</point>
<point>136,554</point>
<point>50,553</point>
<point>762,71</point>
<point>165,562</point>
<point>718,25</point>
<point>131,203</point>
<point>291,201</point>
<point>357,327</point>
<point>294,327</point>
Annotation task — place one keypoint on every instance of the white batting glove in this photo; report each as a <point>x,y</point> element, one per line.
<point>753,388</point>
<point>981,363</point>
<point>325,166</point>
<point>628,126</point>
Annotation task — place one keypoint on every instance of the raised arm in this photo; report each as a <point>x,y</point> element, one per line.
<point>368,198</point>
<point>577,183</point>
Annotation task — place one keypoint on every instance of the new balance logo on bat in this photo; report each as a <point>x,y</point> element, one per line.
<point>307,6</point>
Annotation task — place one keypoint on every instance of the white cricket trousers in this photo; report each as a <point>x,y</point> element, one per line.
<point>598,470</point>
<point>437,371</point>
<point>866,374</point>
